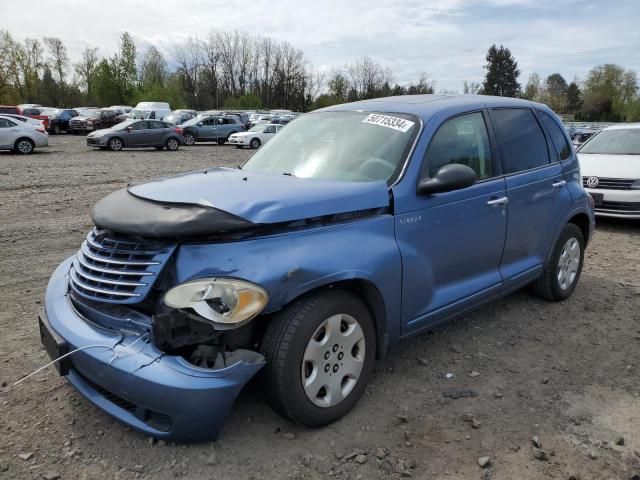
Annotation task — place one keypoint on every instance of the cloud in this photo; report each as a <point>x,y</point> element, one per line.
<point>447,39</point>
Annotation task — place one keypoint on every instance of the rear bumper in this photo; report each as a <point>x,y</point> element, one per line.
<point>617,203</point>
<point>160,395</point>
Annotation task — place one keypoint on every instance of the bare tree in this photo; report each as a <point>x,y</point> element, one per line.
<point>58,57</point>
<point>86,68</point>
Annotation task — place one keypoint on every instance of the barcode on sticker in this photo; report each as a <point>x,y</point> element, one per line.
<point>388,121</point>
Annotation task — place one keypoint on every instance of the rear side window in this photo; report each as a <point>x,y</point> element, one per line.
<point>4,123</point>
<point>521,139</point>
<point>464,140</point>
<point>557,136</point>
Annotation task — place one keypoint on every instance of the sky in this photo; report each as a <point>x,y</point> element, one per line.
<point>445,39</point>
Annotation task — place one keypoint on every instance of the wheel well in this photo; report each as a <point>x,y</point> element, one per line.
<point>582,222</point>
<point>371,296</point>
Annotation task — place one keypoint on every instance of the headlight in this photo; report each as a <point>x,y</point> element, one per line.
<point>222,300</point>
<point>636,185</point>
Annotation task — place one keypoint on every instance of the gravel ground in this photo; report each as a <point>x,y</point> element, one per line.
<point>565,373</point>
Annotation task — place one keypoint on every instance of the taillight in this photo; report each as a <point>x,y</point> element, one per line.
<point>41,130</point>
<point>178,130</point>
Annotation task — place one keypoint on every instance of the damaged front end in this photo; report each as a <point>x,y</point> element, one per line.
<point>168,371</point>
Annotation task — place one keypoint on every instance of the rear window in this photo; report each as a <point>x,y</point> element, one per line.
<point>520,138</point>
<point>558,138</point>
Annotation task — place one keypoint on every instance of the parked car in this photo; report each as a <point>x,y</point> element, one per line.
<point>21,137</point>
<point>92,120</point>
<point>610,168</point>
<point>28,120</point>
<point>215,128</point>
<point>581,135</point>
<point>33,112</point>
<point>260,119</point>
<point>357,226</point>
<point>138,134</point>
<point>178,117</point>
<point>123,108</point>
<point>10,109</point>
<point>150,111</point>
<point>243,117</point>
<point>255,137</point>
<point>22,106</point>
<point>58,119</point>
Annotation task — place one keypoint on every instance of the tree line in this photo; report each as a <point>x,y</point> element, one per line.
<point>233,69</point>
<point>607,93</point>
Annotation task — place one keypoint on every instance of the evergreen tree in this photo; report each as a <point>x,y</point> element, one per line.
<point>502,73</point>
<point>574,98</point>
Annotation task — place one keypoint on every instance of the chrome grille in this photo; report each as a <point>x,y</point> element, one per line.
<point>116,268</point>
<point>610,183</point>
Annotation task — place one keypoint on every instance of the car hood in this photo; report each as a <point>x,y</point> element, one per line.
<point>265,198</point>
<point>223,200</point>
<point>609,166</point>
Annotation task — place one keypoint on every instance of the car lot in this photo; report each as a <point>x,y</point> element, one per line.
<point>567,372</point>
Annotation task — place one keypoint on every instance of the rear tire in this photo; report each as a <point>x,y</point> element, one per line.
<point>23,146</point>
<point>255,143</point>
<point>115,144</point>
<point>323,338</point>
<point>172,144</point>
<point>561,274</point>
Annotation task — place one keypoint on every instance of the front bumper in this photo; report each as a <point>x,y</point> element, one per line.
<point>617,203</point>
<point>96,141</point>
<point>238,141</point>
<point>160,395</point>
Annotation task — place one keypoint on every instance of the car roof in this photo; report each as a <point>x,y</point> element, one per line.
<point>425,106</point>
<point>623,126</point>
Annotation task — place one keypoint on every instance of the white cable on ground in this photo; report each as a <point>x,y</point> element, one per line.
<point>116,355</point>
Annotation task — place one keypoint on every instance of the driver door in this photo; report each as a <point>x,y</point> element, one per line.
<point>207,129</point>
<point>451,246</point>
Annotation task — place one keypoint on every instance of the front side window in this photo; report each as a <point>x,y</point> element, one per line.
<point>521,140</point>
<point>463,140</point>
<point>140,126</point>
<point>618,141</point>
<point>343,146</point>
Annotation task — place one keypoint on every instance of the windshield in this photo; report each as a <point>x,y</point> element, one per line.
<point>617,141</point>
<point>258,128</point>
<point>136,114</point>
<point>122,125</point>
<point>50,112</point>
<point>92,113</point>
<point>346,146</point>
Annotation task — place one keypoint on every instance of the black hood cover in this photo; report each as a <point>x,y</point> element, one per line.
<point>125,213</point>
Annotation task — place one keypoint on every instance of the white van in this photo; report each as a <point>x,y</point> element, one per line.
<point>150,110</point>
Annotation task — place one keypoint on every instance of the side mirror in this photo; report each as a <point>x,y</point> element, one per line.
<point>453,176</point>
<point>200,124</point>
<point>128,129</point>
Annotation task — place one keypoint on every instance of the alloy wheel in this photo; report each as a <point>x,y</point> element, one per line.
<point>25,146</point>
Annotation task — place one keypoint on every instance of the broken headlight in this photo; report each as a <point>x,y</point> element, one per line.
<point>221,300</point>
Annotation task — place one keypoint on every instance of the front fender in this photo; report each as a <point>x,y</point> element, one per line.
<point>291,264</point>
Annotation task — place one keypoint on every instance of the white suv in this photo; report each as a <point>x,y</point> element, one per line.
<point>21,137</point>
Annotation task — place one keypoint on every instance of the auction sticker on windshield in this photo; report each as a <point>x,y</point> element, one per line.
<point>388,121</point>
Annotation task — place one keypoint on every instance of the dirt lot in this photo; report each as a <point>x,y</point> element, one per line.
<point>567,373</point>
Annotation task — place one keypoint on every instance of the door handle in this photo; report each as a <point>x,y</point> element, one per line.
<point>498,201</point>
<point>559,184</point>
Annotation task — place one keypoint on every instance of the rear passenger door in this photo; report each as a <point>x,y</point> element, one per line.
<point>8,132</point>
<point>535,190</point>
<point>156,134</point>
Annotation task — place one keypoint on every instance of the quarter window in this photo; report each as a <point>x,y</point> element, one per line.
<point>463,140</point>
<point>558,137</point>
<point>521,139</point>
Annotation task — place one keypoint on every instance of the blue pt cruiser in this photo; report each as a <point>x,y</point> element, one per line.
<point>357,226</point>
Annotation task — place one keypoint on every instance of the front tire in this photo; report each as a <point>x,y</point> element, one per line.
<point>115,144</point>
<point>255,143</point>
<point>23,146</point>
<point>320,352</point>
<point>189,139</point>
<point>560,277</point>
